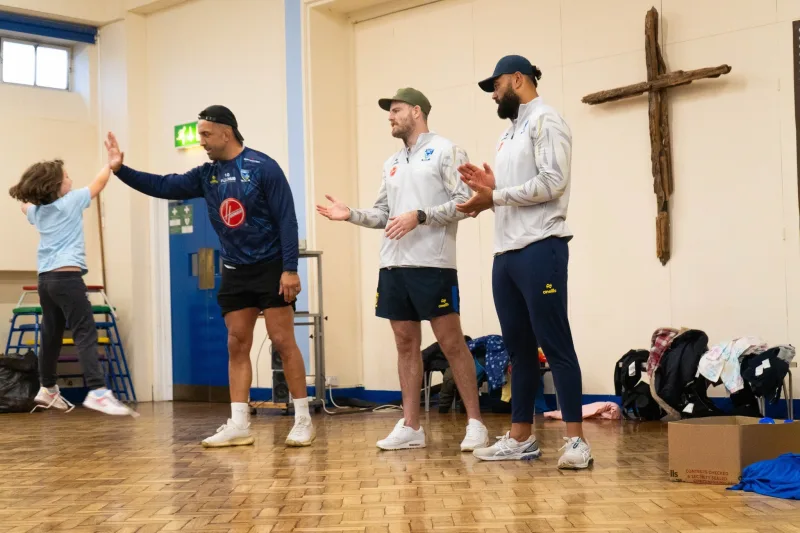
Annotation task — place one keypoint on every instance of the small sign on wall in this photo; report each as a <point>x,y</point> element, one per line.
<point>186,135</point>
<point>181,219</point>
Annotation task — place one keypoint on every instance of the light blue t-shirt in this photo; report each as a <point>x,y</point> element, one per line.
<point>60,226</point>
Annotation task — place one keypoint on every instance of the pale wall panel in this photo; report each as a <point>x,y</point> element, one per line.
<point>619,292</point>
<point>592,29</point>
<point>785,66</point>
<point>684,20</point>
<point>733,155</point>
<point>432,49</point>
<point>333,171</point>
<point>727,273</point>
<point>375,51</point>
<point>788,10</point>
<point>538,37</point>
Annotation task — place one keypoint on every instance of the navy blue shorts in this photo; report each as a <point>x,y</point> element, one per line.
<point>416,294</point>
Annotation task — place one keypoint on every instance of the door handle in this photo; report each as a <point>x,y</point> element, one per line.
<point>205,270</point>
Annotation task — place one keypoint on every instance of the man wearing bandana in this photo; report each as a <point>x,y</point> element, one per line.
<point>252,211</point>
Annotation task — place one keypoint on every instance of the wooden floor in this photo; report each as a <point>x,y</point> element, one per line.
<point>85,472</point>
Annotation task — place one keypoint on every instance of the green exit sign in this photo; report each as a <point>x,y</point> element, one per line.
<point>186,135</point>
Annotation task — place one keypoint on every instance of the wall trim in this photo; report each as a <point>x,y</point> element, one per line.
<point>161,301</point>
<point>220,395</point>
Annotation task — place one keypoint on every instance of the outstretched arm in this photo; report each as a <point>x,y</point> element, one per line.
<point>169,187</point>
<point>377,216</point>
<point>100,181</point>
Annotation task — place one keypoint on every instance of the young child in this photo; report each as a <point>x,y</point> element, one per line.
<point>57,212</point>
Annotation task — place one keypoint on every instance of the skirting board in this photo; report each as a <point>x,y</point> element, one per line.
<point>200,393</point>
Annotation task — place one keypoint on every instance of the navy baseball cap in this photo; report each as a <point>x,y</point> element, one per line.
<point>507,65</point>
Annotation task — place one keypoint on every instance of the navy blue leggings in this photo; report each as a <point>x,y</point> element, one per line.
<point>530,295</point>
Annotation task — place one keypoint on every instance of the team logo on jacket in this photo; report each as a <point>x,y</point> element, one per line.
<point>393,171</point>
<point>232,213</point>
<point>214,180</point>
<point>428,154</point>
<point>245,175</point>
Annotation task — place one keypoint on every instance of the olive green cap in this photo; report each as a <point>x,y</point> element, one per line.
<point>408,95</point>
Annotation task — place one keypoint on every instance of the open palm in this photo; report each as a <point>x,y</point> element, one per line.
<point>336,211</point>
<point>115,156</point>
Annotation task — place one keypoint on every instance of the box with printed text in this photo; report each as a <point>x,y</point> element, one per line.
<point>715,450</point>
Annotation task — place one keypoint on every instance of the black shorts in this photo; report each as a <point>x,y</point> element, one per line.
<point>251,286</point>
<point>416,294</point>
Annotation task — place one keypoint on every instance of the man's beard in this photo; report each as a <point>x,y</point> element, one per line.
<point>508,106</point>
<point>402,132</point>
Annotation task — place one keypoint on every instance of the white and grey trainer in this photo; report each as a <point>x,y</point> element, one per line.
<point>508,449</point>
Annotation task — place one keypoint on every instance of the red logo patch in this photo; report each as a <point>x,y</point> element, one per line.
<point>232,213</point>
<point>394,169</point>
<point>499,147</point>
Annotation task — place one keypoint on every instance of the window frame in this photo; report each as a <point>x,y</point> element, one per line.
<point>36,45</point>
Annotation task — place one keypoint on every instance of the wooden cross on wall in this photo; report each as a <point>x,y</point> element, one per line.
<point>658,81</point>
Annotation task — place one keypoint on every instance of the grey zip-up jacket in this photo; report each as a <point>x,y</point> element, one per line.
<point>532,178</point>
<point>425,177</point>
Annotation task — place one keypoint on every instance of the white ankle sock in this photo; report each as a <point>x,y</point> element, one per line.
<point>301,407</point>
<point>53,389</point>
<point>240,413</point>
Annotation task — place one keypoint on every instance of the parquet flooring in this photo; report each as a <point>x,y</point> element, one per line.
<point>84,472</point>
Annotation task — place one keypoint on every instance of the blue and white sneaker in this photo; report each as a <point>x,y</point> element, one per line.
<point>577,454</point>
<point>508,449</point>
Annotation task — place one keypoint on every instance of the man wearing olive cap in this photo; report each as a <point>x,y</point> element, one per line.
<point>252,211</point>
<point>529,194</point>
<point>416,205</point>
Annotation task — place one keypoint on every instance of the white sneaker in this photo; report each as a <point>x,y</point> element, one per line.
<point>108,404</point>
<point>577,454</point>
<point>302,434</point>
<point>477,436</point>
<point>45,400</point>
<point>508,449</point>
<point>403,437</point>
<point>229,434</point>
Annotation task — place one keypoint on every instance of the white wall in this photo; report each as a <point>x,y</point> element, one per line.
<point>736,245</point>
<point>332,162</point>
<point>45,124</point>
<point>148,82</point>
<point>93,12</point>
<point>123,110</point>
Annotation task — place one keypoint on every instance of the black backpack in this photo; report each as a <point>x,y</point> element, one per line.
<point>19,382</point>
<point>765,372</point>
<point>637,402</point>
<point>676,381</point>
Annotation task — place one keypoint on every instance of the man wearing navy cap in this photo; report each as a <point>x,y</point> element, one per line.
<point>529,194</point>
<point>252,211</point>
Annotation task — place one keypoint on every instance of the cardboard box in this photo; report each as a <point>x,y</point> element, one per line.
<point>715,450</point>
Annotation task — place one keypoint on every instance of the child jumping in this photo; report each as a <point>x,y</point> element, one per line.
<point>57,212</point>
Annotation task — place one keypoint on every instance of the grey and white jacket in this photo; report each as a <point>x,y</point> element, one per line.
<point>424,177</point>
<point>532,178</point>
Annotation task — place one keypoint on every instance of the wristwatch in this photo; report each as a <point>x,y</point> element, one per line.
<point>421,216</point>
